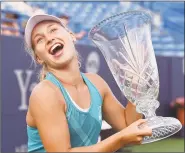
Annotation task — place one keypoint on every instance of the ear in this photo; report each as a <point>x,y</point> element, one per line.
<point>72,36</point>
<point>38,60</point>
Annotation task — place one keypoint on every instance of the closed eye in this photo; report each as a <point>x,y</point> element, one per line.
<point>39,40</point>
<point>53,30</point>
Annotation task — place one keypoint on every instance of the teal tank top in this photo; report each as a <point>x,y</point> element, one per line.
<point>84,125</point>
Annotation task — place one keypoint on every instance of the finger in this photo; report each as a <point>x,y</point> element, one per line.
<point>138,143</point>
<point>140,121</point>
<point>139,138</point>
<point>145,132</point>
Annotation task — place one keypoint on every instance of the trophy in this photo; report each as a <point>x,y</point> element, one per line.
<point>125,42</point>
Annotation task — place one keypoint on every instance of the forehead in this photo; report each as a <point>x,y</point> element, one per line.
<point>43,25</point>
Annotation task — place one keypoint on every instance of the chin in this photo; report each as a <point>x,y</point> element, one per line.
<point>62,63</point>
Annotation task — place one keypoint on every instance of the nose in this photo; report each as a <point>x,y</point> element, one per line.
<point>50,40</point>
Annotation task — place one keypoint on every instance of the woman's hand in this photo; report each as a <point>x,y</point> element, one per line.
<point>133,134</point>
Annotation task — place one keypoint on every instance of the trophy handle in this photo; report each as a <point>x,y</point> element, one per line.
<point>147,107</point>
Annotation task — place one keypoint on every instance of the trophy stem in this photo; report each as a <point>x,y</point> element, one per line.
<point>147,107</point>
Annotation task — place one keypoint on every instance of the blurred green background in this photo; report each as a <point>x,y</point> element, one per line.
<point>166,145</point>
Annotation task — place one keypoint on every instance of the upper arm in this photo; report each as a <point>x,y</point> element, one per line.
<point>113,111</point>
<point>48,111</point>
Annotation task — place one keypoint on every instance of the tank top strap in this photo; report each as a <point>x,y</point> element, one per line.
<point>54,80</point>
<point>93,89</point>
<point>86,80</point>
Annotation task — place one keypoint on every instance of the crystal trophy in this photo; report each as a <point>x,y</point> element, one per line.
<point>125,42</point>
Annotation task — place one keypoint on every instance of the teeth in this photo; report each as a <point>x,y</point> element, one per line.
<point>54,46</point>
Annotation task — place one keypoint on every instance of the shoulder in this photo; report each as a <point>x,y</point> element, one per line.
<point>98,81</point>
<point>95,78</point>
<point>44,88</point>
<point>45,95</point>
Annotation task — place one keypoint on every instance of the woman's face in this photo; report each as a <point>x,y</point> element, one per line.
<point>52,44</point>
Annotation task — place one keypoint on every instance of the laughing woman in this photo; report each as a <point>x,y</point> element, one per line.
<point>66,106</point>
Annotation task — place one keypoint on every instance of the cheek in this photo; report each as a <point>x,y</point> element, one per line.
<point>40,51</point>
<point>70,42</point>
<point>71,48</point>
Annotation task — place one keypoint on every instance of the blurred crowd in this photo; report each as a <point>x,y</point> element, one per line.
<point>11,25</point>
<point>66,19</point>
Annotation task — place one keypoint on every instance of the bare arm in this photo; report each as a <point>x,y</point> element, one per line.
<point>131,114</point>
<point>47,108</point>
<point>114,113</point>
<point>110,144</point>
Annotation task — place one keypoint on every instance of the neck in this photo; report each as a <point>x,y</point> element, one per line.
<point>70,75</point>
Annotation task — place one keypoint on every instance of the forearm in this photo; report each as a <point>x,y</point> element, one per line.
<point>131,115</point>
<point>111,144</point>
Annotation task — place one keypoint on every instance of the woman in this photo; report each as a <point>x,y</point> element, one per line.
<point>66,107</point>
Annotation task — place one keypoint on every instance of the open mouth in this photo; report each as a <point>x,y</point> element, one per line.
<point>56,48</point>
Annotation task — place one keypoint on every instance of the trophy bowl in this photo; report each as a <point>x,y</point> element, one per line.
<point>125,42</point>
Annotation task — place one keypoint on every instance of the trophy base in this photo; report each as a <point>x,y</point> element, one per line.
<point>162,127</point>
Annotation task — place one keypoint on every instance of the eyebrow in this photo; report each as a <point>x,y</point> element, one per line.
<point>50,25</point>
<point>41,34</point>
